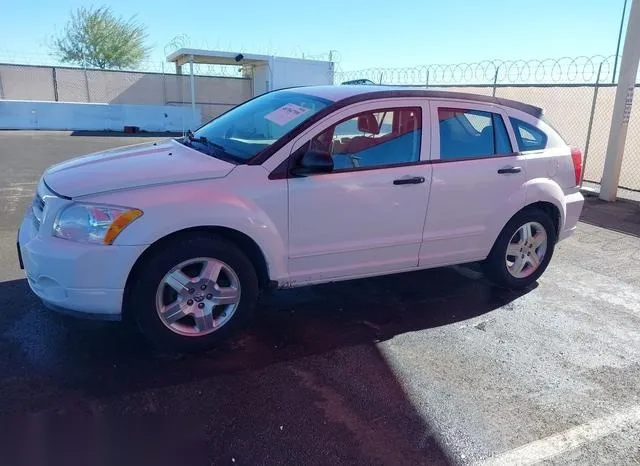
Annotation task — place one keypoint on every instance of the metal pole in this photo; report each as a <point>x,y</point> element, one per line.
<point>86,78</point>
<point>193,91</point>
<point>495,81</point>
<point>164,86</point>
<point>427,79</point>
<point>593,111</point>
<point>86,84</point>
<point>381,74</point>
<point>615,60</point>
<point>54,76</point>
<point>622,106</point>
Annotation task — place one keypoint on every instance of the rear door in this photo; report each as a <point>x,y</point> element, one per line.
<point>478,181</point>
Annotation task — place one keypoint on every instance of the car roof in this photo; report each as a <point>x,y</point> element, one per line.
<point>347,94</point>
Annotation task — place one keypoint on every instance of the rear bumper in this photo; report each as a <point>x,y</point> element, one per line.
<point>573,208</point>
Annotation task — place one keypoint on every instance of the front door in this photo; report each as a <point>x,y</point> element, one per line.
<point>367,215</point>
<point>478,182</point>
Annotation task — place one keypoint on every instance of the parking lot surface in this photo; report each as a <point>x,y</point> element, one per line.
<point>431,367</point>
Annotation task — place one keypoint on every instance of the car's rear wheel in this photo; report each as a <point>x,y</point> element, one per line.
<point>523,250</point>
<point>192,292</point>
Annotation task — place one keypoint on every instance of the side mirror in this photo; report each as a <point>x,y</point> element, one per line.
<point>313,162</point>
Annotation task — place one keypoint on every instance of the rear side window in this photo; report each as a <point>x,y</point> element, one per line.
<point>471,133</point>
<point>528,136</point>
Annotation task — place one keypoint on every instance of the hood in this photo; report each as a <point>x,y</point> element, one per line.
<point>133,166</point>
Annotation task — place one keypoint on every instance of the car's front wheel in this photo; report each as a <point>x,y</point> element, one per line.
<point>192,292</point>
<point>523,250</point>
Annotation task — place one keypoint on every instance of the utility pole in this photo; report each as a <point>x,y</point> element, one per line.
<point>615,60</point>
<point>622,106</point>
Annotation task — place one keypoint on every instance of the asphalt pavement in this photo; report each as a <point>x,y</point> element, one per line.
<point>431,367</point>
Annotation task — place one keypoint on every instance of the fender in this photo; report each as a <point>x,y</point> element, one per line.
<point>537,190</point>
<point>210,203</point>
<point>547,190</point>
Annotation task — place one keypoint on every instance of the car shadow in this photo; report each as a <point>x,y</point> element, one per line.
<point>289,324</point>
<point>310,363</point>
<point>622,216</point>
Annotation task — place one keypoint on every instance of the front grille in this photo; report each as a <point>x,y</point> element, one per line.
<point>37,207</point>
<point>39,202</point>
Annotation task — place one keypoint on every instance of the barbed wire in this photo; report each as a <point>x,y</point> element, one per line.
<point>549,70</point>
<point>583,69</point>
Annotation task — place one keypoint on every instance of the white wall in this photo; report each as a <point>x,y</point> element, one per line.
<point>26,114</point>
<point>282,72</point>
<point>287,72</point>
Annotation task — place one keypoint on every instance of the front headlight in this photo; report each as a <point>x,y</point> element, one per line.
<point>98,224</point>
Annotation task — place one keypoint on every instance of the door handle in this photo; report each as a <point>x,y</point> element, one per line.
<point>508,170</point>
<point>413,180</point>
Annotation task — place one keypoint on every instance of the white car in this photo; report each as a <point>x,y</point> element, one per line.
<point>297,187</point>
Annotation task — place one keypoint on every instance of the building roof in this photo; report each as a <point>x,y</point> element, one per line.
<point>214,57</point>
<point>217,57</point>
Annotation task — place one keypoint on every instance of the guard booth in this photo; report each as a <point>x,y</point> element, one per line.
<point>265,73</point>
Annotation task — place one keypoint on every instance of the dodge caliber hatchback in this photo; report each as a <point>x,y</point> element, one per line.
<point>298,187</point>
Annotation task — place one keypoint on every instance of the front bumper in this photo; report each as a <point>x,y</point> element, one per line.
<point>77,278</point>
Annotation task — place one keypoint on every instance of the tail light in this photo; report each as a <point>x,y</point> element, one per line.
<point>576,157</point>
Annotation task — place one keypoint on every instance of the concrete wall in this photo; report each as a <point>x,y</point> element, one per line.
<point>28,83</point>
<point>28,114</point>
<point>568,107</point>
<point>214,95</point>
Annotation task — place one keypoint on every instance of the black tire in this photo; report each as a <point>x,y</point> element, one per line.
<point>495,265</point>
<point>142,297</point>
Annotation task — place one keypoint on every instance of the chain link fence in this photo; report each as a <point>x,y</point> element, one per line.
<point>577,95</point>
<point>214,94</point>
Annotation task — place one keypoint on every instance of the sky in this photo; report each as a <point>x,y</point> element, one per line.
<point>373,33</point>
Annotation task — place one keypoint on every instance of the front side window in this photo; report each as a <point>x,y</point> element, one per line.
<point>471,133</point>
<point>255,125</point>
<point>373,139</point>
<point>529,137</point>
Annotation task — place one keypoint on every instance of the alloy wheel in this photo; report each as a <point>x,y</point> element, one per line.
<point>526,250</point>
<point>198,296</point>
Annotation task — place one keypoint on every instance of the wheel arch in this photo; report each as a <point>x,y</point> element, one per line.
<point>548,196</point>
<point>243,241</point>
<point>550,208</point>
<point>495,265</point>
<point>547,207</point>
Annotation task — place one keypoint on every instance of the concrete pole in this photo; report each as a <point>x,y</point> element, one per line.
<point>193,93</point>
<point>622,106</point>
<point>615,62</point>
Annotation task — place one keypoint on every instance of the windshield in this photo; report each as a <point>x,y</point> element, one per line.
<point>253,126</point>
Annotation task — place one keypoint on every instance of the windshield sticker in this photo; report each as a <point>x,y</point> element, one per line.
<point>285,114</point>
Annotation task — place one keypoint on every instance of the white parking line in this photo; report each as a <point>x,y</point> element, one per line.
<point>571,439</point>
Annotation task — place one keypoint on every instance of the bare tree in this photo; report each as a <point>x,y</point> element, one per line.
<point>96,37</point>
